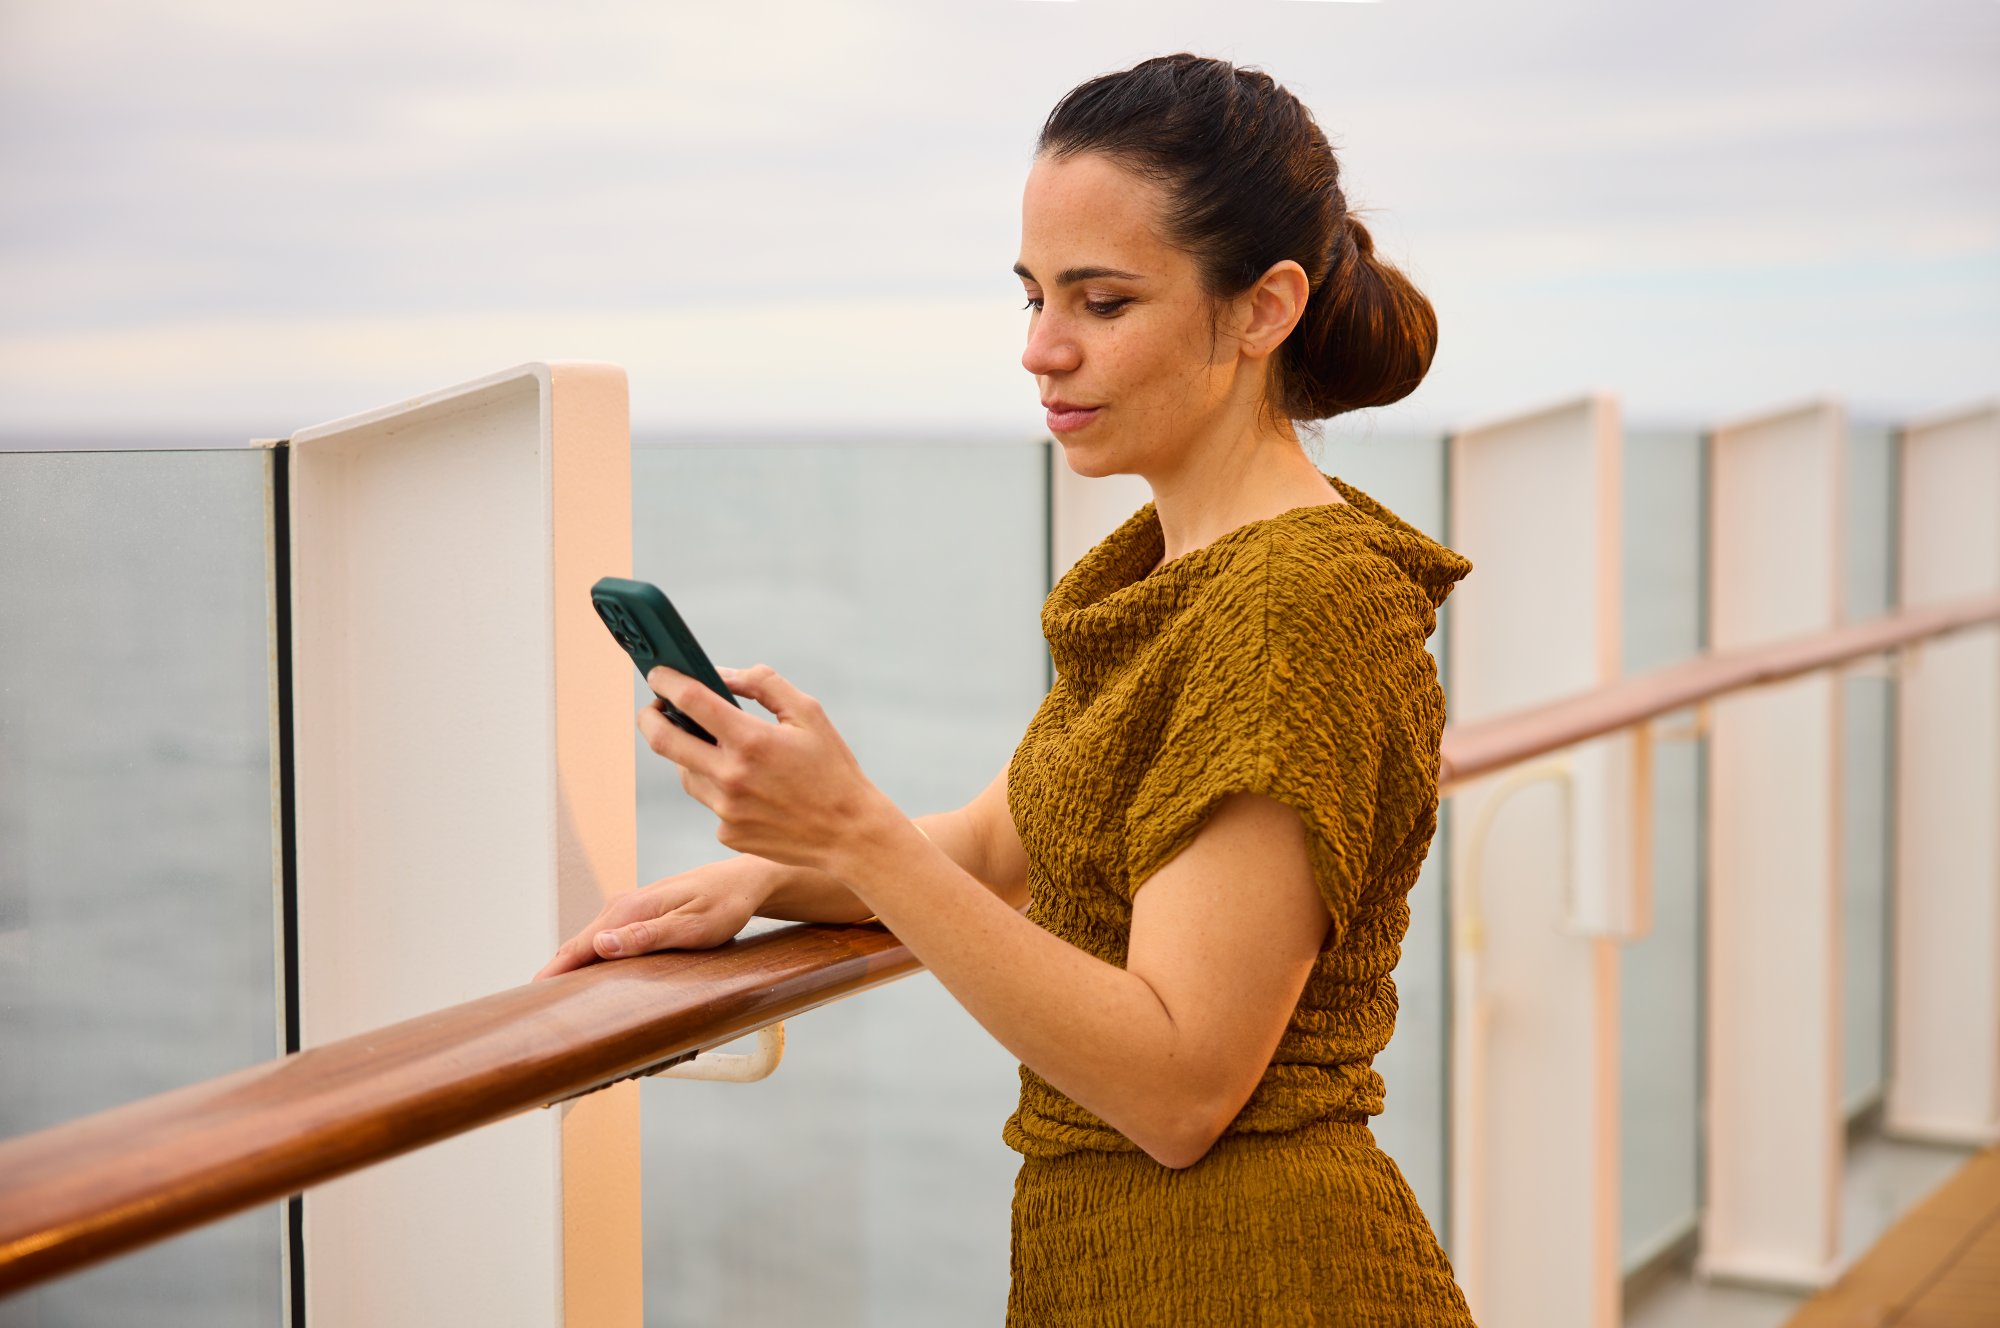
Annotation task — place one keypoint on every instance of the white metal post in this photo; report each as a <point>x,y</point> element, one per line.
<point>465,795</point>
<point>1775,1128</point>
<point>1546,874</point>
<point>1944,1080</point>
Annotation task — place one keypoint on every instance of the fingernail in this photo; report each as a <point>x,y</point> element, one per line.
<point>608,942</point>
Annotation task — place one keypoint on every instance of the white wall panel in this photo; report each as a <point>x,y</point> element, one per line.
<point>1775,1126</point>
<point>1945,1073</point>
<point>464,777</point>
<point>1545,875</point>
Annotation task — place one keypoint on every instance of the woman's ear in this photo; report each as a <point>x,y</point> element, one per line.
<point>1274,307</point>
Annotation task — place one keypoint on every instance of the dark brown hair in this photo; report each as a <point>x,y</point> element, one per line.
<point>1250,180</point>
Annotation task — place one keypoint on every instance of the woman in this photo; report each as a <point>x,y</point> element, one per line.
<point>1244,721</point>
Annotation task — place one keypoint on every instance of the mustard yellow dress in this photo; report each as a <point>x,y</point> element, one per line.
<point>1285,658</point>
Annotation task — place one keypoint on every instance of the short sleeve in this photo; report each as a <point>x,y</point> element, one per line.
<point>1279,696</point>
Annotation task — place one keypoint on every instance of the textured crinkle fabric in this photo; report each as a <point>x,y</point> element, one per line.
<point>1286,658</point>
<point>1315,1226</point>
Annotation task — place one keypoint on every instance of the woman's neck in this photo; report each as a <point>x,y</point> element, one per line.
<point>1199,503</point>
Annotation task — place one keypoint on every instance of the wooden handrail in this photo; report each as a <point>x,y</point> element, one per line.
<point>1488,745</point>
<point>104,1184</point>
<point>110,1182</point>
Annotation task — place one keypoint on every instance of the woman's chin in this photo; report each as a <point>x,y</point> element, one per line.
<point>1088,459</point>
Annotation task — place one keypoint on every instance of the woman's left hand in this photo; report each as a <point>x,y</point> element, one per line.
<point>790,791</point>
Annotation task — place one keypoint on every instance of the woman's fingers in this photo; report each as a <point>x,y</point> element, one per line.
<point>722,720</point>
<point>629,908</point>
<point>572,953</point>
<point>666,738</point>
<point>685,928</point>
<point>631,939</point>
<point>772,690</point>
<point>637,937</point>
<point>691,910</point>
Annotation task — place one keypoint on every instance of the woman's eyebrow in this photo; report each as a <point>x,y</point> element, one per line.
<point>1070,276</point>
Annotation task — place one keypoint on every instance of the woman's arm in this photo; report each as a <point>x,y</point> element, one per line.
<point>807,894</point>
<point>1167,1049</point>
<point>707,905</point>
<point>980,837</point>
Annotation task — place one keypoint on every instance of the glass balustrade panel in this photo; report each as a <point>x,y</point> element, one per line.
<point>137,901</point>
<point>1868,716</point>
<point>1660,1042</point>
<point>865,1182</point>
<point>1406,472</point>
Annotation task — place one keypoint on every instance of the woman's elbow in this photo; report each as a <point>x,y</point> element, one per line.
<point>1184,1137</point>
<point>1179,1158</point>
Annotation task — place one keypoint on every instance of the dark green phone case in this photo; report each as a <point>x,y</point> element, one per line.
<point>639,616</point>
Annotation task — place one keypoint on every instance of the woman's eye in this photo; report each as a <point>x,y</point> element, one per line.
<point>1103,309</point>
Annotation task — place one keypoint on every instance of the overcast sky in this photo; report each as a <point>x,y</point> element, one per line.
<point>238,219</point>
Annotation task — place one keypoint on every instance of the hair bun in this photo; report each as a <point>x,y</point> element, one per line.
<point>1367,338</point>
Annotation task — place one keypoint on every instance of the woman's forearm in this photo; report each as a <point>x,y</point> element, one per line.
<point>806,894</point>
<point>1097,1032</point>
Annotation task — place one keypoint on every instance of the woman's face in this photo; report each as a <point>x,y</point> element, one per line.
<point>1118,322</point>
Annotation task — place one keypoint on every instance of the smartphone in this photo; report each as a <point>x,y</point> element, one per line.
<point>642,621</point>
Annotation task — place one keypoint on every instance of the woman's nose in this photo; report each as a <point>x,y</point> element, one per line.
<point>1050,349</point>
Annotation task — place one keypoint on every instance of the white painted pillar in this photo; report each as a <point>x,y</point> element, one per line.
<point>1944,1081</point>
<point>1547,872</point>
<point>465,791</point>
<point>1775,1128</point>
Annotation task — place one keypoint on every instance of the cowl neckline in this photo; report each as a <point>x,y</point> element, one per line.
<point>1112,601</point>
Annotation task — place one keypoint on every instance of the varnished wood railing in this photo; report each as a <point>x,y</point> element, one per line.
<point>1478,749</point>
<point>108,1183</point>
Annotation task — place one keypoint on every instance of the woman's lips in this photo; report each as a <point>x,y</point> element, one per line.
<point>1067,418</point>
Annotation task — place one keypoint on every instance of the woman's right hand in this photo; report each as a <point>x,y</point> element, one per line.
<point>690,910</point>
